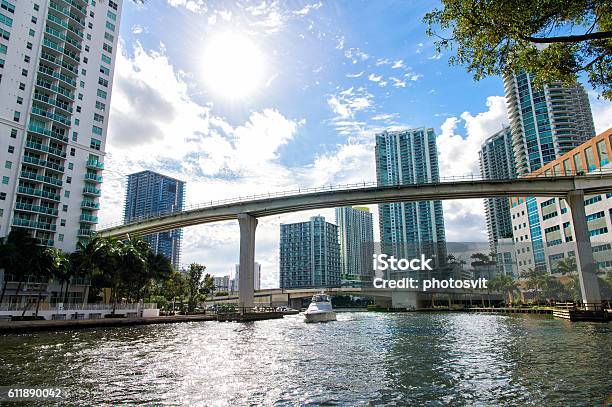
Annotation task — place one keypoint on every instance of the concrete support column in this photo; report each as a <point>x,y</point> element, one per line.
<point>589,286</point>
<point>248,224</point>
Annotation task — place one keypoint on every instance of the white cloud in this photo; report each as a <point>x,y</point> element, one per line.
<point>398,64</point>
<point>195,6</point>
<point>435,57</point>
<point>308,8</point>
<point>602,112</point>
<point>354,75</point>
<point>374,78</point>
<point>385,116</point>
<point>340,44</point>
<point>139,29</point>
<point>398,83</point>
<point>382,61</point>
<point>413,76</point>
<point>355,55</point>
<point>458,155</point>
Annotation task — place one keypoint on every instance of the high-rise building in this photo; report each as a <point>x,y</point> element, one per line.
<point>545,123</point>
<point>235,285</point>
<point>309,254</point>
<point>222,283</point>
<point>408,229</point>
<point>543,228</point>
<point>151,194</point>
<point>57,59</point>
<point>356,236</point>
<point>497,162</point>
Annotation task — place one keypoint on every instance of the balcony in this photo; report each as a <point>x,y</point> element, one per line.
<point>64,24</point>
<point>85,232</point>
<point>35,208</point>
<point>42,163</point>
<point>41,130</point>
<point>38,193</point>
<point>95,164</point>
<point>45,242</point>
<point>93,178</point>
<point>34,224</point>
<point>41,178</point>
<point>55,117</point>
<point>88,204</point>
<point>49,86</point>
<point>91,191</point>
<point>45,149</point>
<point>50,72</point>
<point>88,219</point>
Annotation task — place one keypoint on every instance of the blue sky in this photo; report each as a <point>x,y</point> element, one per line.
<point>331,75</point>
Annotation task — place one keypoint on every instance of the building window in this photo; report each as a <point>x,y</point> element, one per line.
<point>107,48</point>
<point>26,59</point>
<point>16,116</point>
<point>60,237</point>
<point>19,100</point>
<point>62,222</point>
<point>34,19</point>
<point>106,59</point>
<point>64,208</point>
<point>29,45</point>
<point>36,7</point>
<point>70,166</point>
<point>5,180</point>
<point>68,180</point>
<point>101,94</point>
<point>100,105</point>
<point>7,6</point>
<point>8,164</point>
<point>75,136</point>
<point>32,32</point>
<point>72,152</point>
<point>13,133</point>
<point>24,72</point>
<point>95,144</point>
<point>21,86</point>
<point>103,82</point>
<point>66,194</point>
<point>11,149</point>
<point>2,196</point>
<point>104,70</point>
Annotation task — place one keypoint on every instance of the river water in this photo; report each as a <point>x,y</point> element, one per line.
<point>361,359</point>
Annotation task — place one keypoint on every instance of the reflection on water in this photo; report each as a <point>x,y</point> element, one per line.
<point>363,358</point>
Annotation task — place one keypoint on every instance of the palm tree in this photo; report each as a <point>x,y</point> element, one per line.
<point>567,265</point>
<point>505,284</point>
<point>536,279</point>
<point>52,263</point>
<point>18,253</point>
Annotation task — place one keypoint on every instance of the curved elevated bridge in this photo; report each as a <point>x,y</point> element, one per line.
<point>248,209</point>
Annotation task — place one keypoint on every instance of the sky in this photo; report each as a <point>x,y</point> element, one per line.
<point>242,98</point>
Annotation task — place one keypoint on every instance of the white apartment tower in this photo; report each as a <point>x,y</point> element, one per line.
<point>57,60</point>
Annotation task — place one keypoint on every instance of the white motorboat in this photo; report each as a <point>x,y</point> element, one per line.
<point>320,309</point>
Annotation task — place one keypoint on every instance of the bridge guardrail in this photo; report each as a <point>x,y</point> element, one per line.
<point>364,184</point>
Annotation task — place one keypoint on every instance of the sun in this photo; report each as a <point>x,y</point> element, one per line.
<point>232,65</point>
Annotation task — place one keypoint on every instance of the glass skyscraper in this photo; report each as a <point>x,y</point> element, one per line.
<point>497,162</point>
<point>57,61</point>
<point>408,229</point>
<point>356,234</point>
<point>151,194</point>
<point>309,254</point>
<point>545,123</point>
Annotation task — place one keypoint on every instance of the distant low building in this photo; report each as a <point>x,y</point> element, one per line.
<point>235,286</point>
<point>222,283</point>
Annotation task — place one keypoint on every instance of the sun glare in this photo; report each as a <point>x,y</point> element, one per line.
<point>233,65</point>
